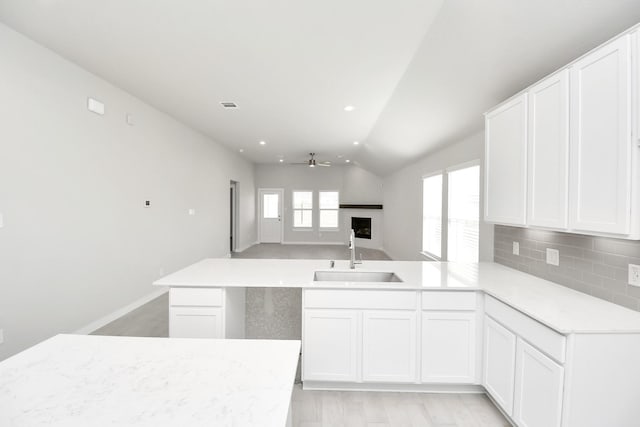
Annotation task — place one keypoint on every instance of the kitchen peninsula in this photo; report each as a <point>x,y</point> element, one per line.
<point>541,351</point>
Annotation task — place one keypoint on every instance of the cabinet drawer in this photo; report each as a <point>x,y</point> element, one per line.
<point>450,300</point>
<point>378,300</point>
<point>203,297</point>
<point>542,337</point>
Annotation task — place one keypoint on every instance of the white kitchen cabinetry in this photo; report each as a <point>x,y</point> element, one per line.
<point>538,388</point>
<point>601,139</point>
<point>548,152</point>
<point>499,363</point>
<point>389,346</point>
<point>196,322</point>
<point>331,345</point>
<point>355,336</point>
<point>448,337</point>
<point>206,313</point>
<point>578,131</point>
<point>506,162</point>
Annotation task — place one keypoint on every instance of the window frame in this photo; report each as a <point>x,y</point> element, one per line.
<point>431,256</point>
<point>444,236</point>
<point>320,209</point>
<point>294,209</point>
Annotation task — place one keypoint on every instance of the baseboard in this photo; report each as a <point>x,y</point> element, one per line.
<point>314,243</point>
<point>86,330</point>
<point>393,387</point>
<point>245,247</point>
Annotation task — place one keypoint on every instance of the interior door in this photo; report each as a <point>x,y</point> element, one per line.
<point>270,215</point>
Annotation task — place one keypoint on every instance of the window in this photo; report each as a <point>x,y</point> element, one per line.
<point>464,214</point>
<point>329,202</point>
<point>452,234</point>
<point>270,206</point>
<point>302,209</point>
<point>432,216</point>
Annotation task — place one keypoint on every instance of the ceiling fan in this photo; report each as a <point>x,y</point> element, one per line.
<point>312,163</point>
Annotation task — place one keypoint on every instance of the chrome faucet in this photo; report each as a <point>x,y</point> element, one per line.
<point>352,248</point>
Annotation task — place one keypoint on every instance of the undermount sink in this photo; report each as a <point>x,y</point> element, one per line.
<point>355,276</point>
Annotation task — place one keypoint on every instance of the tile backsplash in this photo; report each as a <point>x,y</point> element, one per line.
<point>597,266</point>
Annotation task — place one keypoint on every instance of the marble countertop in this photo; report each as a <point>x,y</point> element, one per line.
<point>562,309</point>
<point>78,380</point>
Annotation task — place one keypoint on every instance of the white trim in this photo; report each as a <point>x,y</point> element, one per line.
<point>409,387</point>
<point>465,165</point>
<point>434,173</point>
<point>97,324</point>
<point>429,256</point>
<point>313,243</point>
<point>245,247</point>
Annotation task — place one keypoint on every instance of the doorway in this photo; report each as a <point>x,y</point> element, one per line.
<point>233,215</point>
<point>270,224</point>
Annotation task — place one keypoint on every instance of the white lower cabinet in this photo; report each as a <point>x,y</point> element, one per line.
<point>499,363</point>
<point>196,322</point>
<point>448,347</point>
<point>330,345</point>
<point>538,388</point>
<point>389,346</point>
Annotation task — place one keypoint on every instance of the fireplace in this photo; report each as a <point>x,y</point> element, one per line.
<point>361,227</point>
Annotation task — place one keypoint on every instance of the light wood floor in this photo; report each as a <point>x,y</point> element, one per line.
<point>331,408</point>
<point>378,409</point>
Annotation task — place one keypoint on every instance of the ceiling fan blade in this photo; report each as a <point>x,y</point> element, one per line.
<point>323,164</point>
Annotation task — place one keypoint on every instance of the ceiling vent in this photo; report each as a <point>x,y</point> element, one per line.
<point>229,105</point>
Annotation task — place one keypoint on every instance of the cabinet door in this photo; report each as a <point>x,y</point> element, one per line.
<point>539,384</point>
<point>601,140</point>
<point>196,322</point>
<point>389,346</point>
<point>505,163</point>
<point>499,363</point>
<point>548,152</point>
<point>330,345</point>
<point>448,347</point>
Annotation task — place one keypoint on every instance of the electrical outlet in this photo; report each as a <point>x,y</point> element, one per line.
<point>192,211</point>
<point>516,248</point>
<point>634,275</point>
<point>553,257</point>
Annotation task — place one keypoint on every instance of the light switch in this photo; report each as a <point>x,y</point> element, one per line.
<point>1,336</point>
<point>553,256</point>
<point>1,220</point>
<point>129,119</point>
<point>95,106</point>
<point>516,248</point>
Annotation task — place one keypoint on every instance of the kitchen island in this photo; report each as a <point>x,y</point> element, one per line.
<point>544,353</point>
<point>76,380</point>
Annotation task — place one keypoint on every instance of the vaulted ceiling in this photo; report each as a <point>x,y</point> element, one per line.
<point>419,73</point>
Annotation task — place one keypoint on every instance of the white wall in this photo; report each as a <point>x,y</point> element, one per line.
<point>77,243</point>
<point>356,186</point>
<point>403,200</point>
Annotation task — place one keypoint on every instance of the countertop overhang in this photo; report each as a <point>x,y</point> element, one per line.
<point>558,307</point>
<point>79,380</point>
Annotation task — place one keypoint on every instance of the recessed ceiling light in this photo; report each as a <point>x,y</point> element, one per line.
<point>263,143</point>
<point>241,150</point>
<point>348,161</point>
<point>340,156</point>
<point>281,160</point>
<point>356,143</point>
<point>349,108</point>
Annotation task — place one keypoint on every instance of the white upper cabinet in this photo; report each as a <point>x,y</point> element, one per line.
<point>601,142</point>
<point>548,152</point>
<point>506,162</point>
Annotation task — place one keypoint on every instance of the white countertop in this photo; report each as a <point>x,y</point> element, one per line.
<point>78,380</point>
<point>560,308</point>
